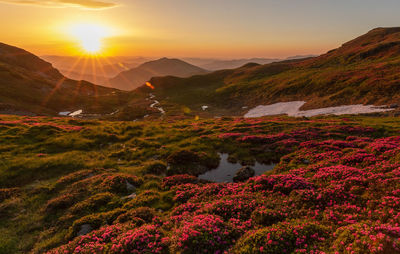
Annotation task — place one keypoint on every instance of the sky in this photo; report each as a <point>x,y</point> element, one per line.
<point>191,28</point>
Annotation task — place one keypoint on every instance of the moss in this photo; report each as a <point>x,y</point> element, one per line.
<point>156,168</point>
<point>98,202</point>
<point>147,198</point>
<point>7,193</point>
<point>95,221</point>
<point>8,244</point>
<point>144,213</point>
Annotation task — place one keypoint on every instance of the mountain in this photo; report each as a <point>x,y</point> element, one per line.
<point>133,78</point>
<point>96,70</point>
<point>362,71</point>
<point>300,57</point>
<point>30,85</point>
<point>219,64</point>
<point>236,63</point>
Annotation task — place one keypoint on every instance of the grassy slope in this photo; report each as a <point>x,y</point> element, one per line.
<point>364,70</point>
<point>60,173</point>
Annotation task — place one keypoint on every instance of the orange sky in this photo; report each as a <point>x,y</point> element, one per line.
<point>191,28</point>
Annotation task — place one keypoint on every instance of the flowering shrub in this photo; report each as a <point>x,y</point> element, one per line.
<point>285,237</point>
<point>146,239</point>
<point>144,213</point>
<point>282,183</point>
<point>363,238</point>
<point>95,242</point>
<point>336,188</point>
<point>174,180</point>
<point>207,233</point>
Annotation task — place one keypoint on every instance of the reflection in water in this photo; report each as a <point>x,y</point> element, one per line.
<point>227,170</point>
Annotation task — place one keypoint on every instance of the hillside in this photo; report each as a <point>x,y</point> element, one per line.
<point>362,71</point>
<point>74,186</point>
<point>30,85</point>
<point>133,78</point>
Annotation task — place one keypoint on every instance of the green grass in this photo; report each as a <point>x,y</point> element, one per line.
<point>64,177</point>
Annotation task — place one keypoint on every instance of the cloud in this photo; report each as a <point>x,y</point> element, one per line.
<point>90,4</point>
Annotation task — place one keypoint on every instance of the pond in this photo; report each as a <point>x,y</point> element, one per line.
<point>226,170</point>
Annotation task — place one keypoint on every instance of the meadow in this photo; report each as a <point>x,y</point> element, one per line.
<point>91,186</point>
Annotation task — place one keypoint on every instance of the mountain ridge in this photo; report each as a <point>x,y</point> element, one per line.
<point>361,71</point>
<point>135,77</point>
<point>31,85</point>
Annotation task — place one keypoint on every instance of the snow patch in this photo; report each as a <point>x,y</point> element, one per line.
<point>64,113</point>
<point>293,109</point>
<point>76,113</point>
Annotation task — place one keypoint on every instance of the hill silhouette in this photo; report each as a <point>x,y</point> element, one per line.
<point>30,85</point>
<point>133,78</point>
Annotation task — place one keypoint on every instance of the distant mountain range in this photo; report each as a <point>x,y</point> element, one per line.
<point>134,78</point>
<point>101,70</point>
<point>220,64</point>
<point>362,71</point>
<point>96,70</point>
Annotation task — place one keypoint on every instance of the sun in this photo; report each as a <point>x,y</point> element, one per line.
<point>90,36</point>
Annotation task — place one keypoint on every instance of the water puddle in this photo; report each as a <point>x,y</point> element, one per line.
<point>227,170</point>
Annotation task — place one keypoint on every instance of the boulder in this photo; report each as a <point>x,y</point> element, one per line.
<point>243,174</point>
<point>85,229</point>
<point>132,196</point>
<point>129,186</point>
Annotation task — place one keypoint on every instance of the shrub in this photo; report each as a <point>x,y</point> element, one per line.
<point>145,239</point>
<point>60,203</point>
<point>146,198</point>
<point>183,157</point>
<point>145,213</point>
<point>267,217</point>
<point>363,238</point>
<point>95,221</point>
<point>7,193</point>
<point>94,242</point>
<point>171,181</point>
<point>208,233</point>
<point>284,237</point>
<point>95,203</point>
<point>118,183</point>
<point>156,168</point>
<point>74,177</point>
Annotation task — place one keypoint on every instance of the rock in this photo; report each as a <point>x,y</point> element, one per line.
<point>394,105</point>
<point>243,174</point>
<point>132,196</point>
<point>130,187</point>
<point>305,161</point>
<point>85,229</point>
